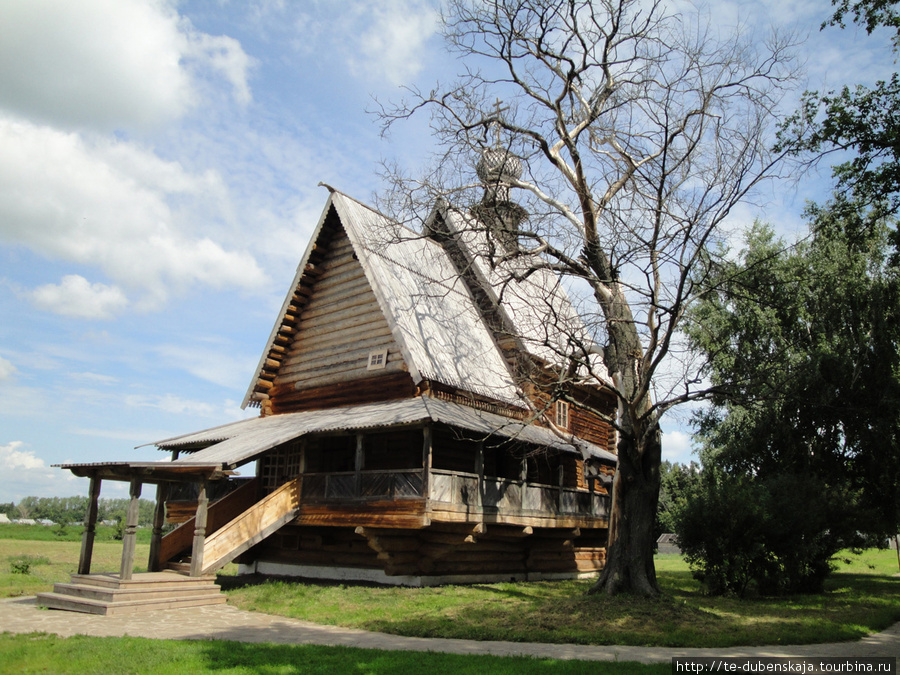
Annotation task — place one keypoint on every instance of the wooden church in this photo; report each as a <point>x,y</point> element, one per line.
<point>414,425</point>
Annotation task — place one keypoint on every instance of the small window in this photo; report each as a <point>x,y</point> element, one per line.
<point>377,360</point>
<point>562,414</point>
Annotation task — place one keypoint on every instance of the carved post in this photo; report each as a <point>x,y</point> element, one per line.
<point>561,480</point>
<point>154,564</point>
<point>130,536</point>
<point>199,531</point>
<point>358,465</point>
<point>479,469</point>
<point>90,527</point>
<point>426,461</point>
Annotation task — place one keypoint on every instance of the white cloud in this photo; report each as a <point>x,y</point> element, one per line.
<point>171,403</point>
<point>105,204</point>
<point>224,54</point>
<point>106,64</point>
<point>677,447</point>
<point>75,296</point>
<point>32,477</point>
<point>210,364</point>
<point>11,458</point>
<point>128,435</point>
<point>108,380</point>
<point>388,37</point>
<point>7,370</point>
<point>393,44</point>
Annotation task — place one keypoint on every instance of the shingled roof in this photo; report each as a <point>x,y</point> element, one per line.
<point>429,309</point>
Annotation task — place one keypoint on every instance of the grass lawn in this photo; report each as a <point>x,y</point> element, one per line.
<point>53,559</point>
<point>39,653</point>
<point>861,598</point>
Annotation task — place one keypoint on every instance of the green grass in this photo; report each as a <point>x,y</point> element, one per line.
<point>861,600</point>
<point>54,561</point>
<point>39,653</point>
<point>67,533</point>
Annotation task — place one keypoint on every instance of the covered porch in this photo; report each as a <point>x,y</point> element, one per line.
<point>126,591</point>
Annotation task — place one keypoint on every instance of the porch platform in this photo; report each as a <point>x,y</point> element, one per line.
<point>108,594</point>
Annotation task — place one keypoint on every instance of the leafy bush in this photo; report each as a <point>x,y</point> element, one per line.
<point>778,535</point>
<point>22,564</point>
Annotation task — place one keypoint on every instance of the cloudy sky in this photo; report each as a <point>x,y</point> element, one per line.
<point>159,163</point>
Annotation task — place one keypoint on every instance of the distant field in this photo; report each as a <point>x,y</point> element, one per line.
<point>67,533</point>
<point>53,559</point>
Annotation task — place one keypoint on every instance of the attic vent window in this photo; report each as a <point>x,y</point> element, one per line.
<point>377,360</point>
<point>562,414</point>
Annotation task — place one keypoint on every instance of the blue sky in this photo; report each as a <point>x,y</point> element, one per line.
<point>159,164</point>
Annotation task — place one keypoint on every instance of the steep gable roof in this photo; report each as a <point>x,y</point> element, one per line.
<point>431,314</point>
<point>530,297</point>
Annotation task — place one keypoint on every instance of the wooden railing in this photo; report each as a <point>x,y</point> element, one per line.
<point>219,513</point>
<point>514,496</point>
<point>363,485</point>
<point>252,526</point>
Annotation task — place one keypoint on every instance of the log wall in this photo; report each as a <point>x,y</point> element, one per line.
<point>339,326</point>
<point>438,551</point>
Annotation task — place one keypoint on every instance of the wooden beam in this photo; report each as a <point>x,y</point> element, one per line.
<point>479,469</point>
<point>129,538</point>
<point>90,527</point>
<point>159,519</point>
<point>426,460</point>
<point>199,532</point>
<point>359,464</point>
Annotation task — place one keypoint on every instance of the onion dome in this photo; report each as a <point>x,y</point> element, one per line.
<point>498,165</point>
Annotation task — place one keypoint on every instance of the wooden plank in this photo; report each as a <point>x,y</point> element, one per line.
<point>348,372</point>
<point>253,525</point>
<point>380,386</point>
<point>219,513</point>
<point>159,519</point>
<point>131,522</point>
<point>197,547</point>
<point>340,353</point>
<point>350,326</point>
<point>376,333</point>
<point>90,526</point>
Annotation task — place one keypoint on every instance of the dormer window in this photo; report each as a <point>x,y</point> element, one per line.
<point>377,360</point>
<point>562,414</point>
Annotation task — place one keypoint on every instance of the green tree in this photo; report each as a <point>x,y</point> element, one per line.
<point>678,483</point>
<point>861,119</point>
<point>802,345</point>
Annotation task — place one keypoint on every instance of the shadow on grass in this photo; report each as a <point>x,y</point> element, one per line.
<point>561,612</point>
<point>268,658</point>
<point>37,652</point>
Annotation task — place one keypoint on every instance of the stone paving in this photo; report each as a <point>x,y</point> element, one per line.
<point>224,622</point>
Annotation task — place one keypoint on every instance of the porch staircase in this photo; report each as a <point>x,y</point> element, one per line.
<point>238,524</point>
<point>109,595</point>
<point>265,517</point>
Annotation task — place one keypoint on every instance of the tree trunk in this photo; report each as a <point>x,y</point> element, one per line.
<point>629,554</point>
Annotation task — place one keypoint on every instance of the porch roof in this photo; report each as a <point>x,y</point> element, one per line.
<point>234,444</point>
<point>148,472</point>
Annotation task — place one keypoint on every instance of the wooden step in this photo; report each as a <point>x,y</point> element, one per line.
<point>128,594</point>
<point>167,579</point>
<point>75,604</point>
<point>108,594</point>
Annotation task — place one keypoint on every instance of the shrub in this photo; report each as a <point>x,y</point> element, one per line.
<point>778,535</point>
<point>22,564</point>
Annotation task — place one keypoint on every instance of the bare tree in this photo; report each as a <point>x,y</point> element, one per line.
<point>638,132</point>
